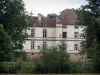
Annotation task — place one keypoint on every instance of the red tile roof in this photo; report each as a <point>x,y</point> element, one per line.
<point>45,22</point>
<point>67,17</point>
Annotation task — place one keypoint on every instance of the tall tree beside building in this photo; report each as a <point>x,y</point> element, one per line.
<point>89,16</point>
<point>5,45</point>
<point>14,19</point>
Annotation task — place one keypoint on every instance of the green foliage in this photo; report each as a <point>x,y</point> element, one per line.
<point>16,67</point>
<point>80,67</point>
<point>53,60</point>
<point>89,16</point>
<point>19,55</point>
<point>94,50</point>
<point>15,21</point>
<point>52,15</point>
<point>5,45</point>
<point>21,67</point>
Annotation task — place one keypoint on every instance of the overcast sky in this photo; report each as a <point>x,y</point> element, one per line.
<point>51,6</point>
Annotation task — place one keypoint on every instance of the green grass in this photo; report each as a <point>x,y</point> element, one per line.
<point>25,64</point>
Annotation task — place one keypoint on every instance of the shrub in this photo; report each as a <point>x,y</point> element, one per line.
<point>54,60</point>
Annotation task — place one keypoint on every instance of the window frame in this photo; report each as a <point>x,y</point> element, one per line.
<point>75,46</point>
<point>64,26</point>
<point>44,33</point>
<point>64,34</point>
<point>44,44</point>
<point>76,34</point>
<point>32,32</point>
<point>32,45</point>
<point>76,27</point>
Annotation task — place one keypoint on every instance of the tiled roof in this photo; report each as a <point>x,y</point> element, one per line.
<point>67,17</point>
<point>45,22</point>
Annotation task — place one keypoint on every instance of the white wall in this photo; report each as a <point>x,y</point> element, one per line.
<point>54,37</point>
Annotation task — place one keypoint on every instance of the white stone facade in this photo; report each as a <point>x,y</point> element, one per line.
<point>54,34</point>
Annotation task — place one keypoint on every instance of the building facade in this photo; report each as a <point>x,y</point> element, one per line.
<point>48,32</point>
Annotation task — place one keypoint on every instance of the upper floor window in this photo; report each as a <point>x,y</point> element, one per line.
<point>75,46</point>
<point>44,33</point>
<point>76,27</point>
<point>64,26</point>
<point>76,34</point>
<point>82,35</point>
<point>44,44</point>
<point>32,32</point>
<point>32,44</point>
<point>64,35</point>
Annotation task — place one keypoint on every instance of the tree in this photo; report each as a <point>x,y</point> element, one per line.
<point>15,20</point>
<point>5,45</point>
<point>52,15</point>
<point>89,16</point>
<point>95,55</point>
<point>54,60</point>
<point>19,55</point>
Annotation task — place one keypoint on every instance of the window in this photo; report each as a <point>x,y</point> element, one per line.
<point>44,44</point>
<point>82,35</point>
<point>32,44</point>
<point>64,35</point>
<point>32,32</point>
<point>76,35</point>
<point>82,45</point>
<point>44,33</point>
<point>76,27</point>
<point>64,26</point>
<point>75,46</point>
<point>38,46</point>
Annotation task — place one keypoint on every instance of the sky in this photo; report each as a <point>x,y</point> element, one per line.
<point>51,6</point>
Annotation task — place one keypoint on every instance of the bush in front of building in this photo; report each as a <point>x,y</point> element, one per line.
<point>16,67</point>
<point>53,60</point>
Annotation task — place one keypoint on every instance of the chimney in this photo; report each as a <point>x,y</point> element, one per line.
<point>56,19</point>
<point>39,16</point>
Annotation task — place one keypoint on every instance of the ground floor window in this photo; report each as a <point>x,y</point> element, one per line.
<point>75,46</point>
<point>32,44</point>
<point>44,44</point>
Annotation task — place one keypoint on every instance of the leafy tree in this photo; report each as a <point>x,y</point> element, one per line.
<point>89,16</point>
<point>54,60</point>
<point>52,15</point>
<point>94,51</point>
<point>19,55</point>
<point>15,20</point>
<point>5,45</point>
